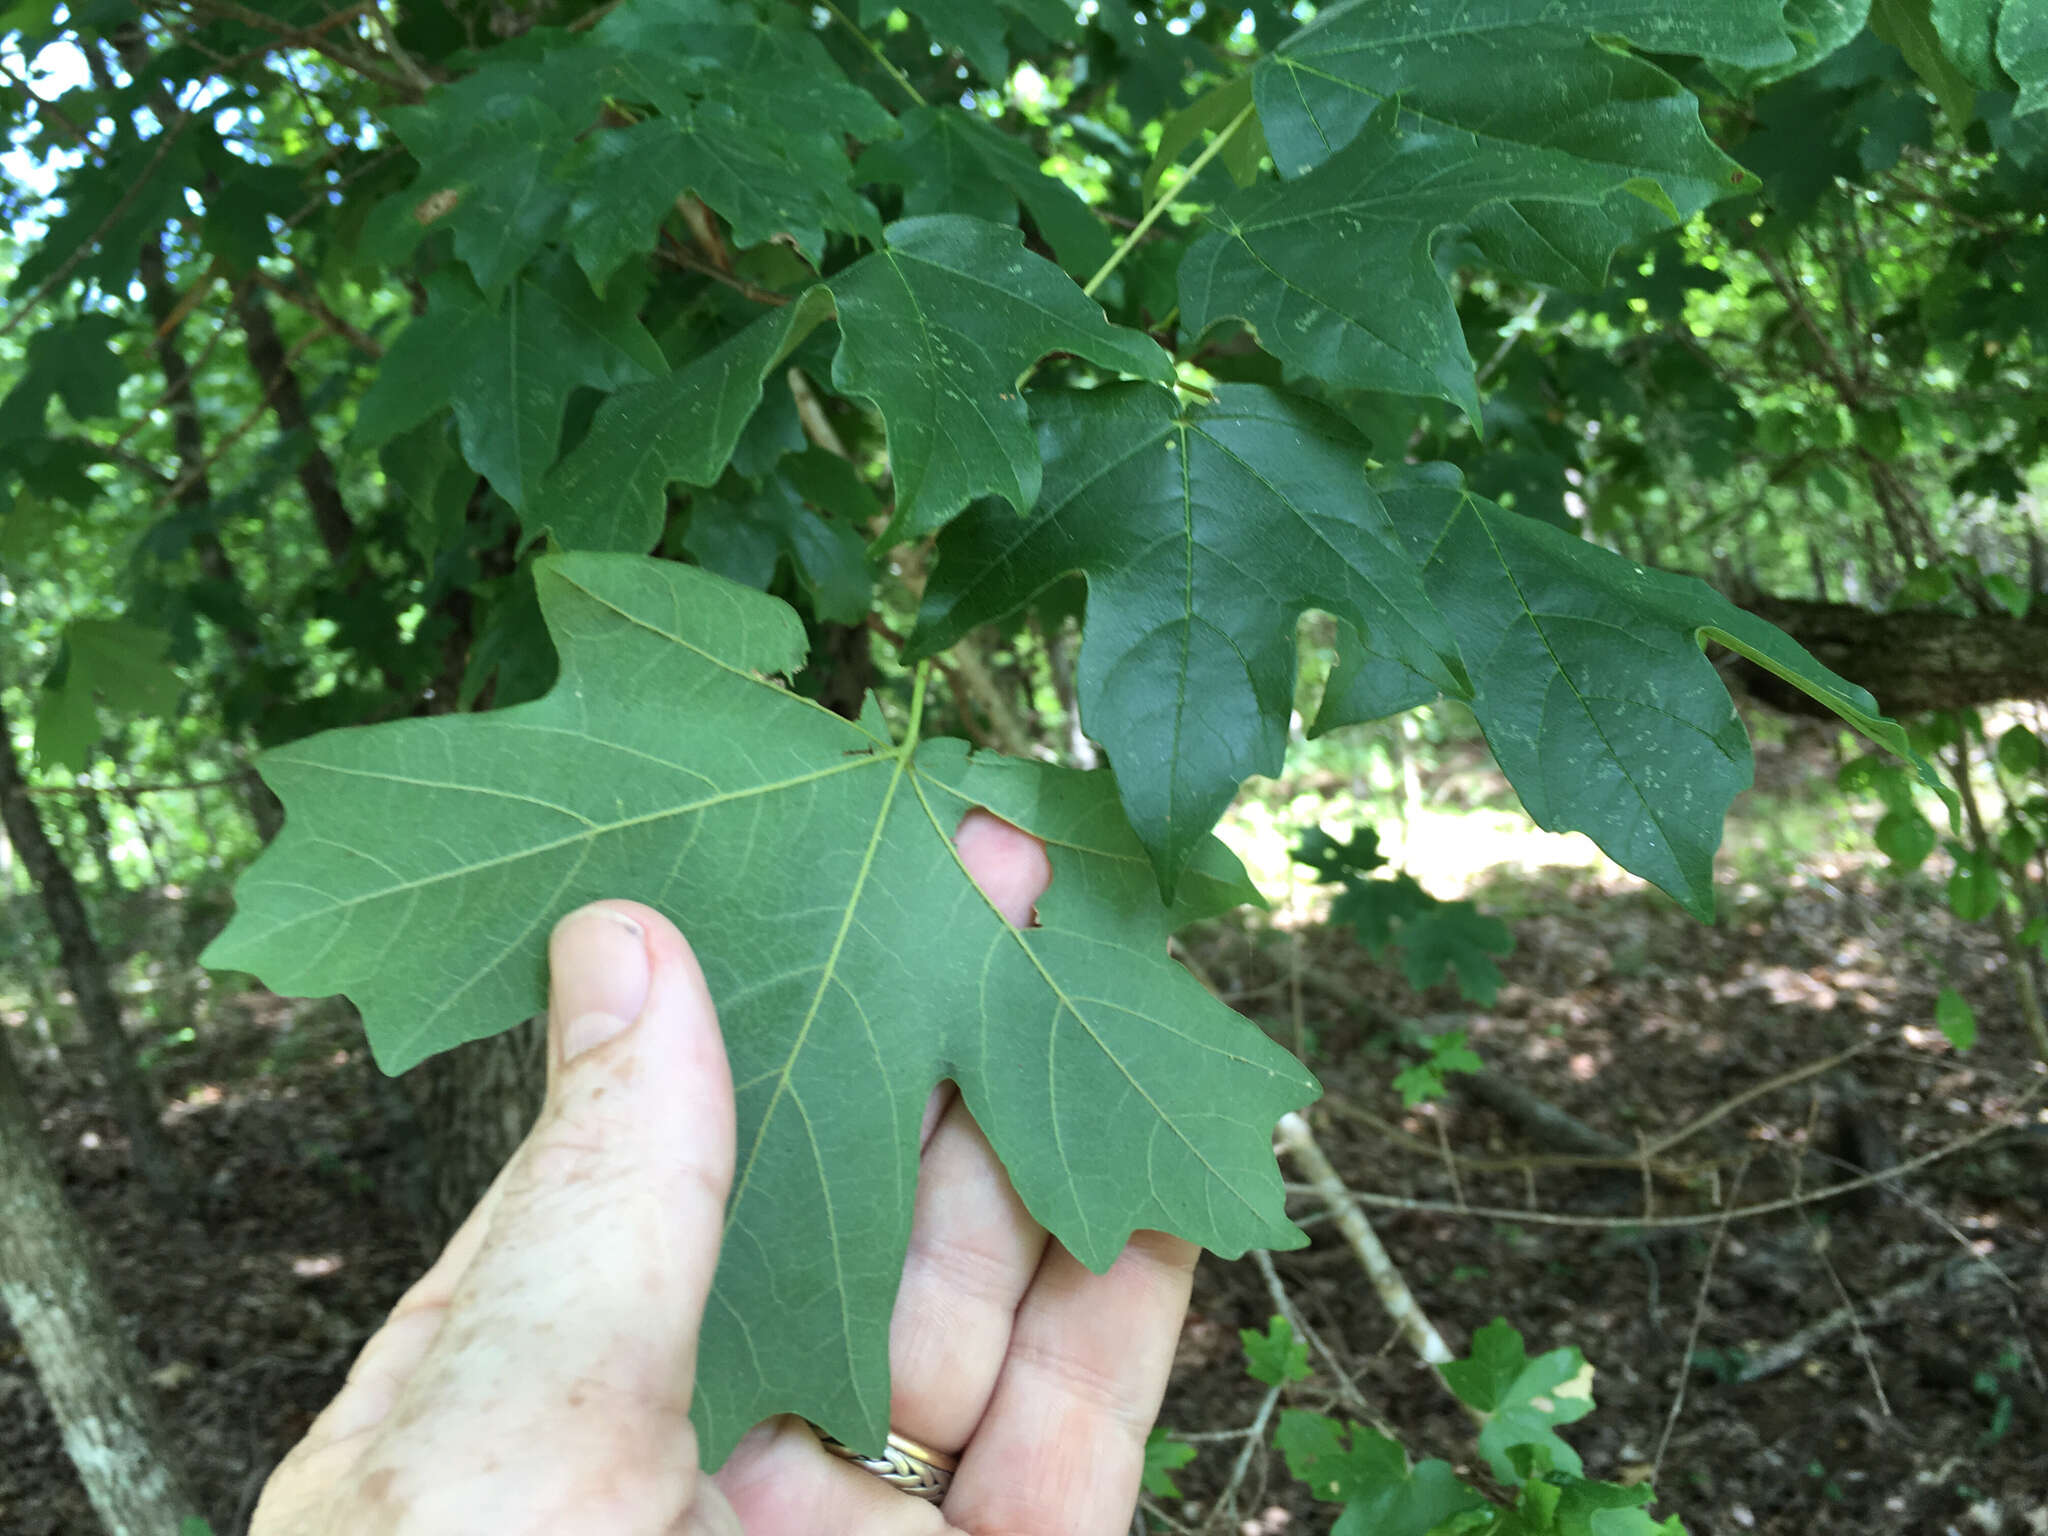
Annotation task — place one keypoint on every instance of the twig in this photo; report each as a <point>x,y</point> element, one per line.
<point>875,49</point>
<point>690,261</point>
<point>241,428</point>
<point>1692,1335</point>
<point>318,307</point>
<point>1165,201</point>
<point>1299,1142</point>
<point>1284,1305</point>
<point>1727,1107</point>
<point>1254,1440</point>
<point>1790,1351</point>
<point>810,410</point>
<point>1542,1218</point>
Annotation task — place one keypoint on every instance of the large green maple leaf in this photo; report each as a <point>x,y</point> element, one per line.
<point>1541,81</point>
<point>1586,672</point>
<point>507,367</point>
<point>1336,271</point>
<point>1204,533</point>
<point>936,328</point>
<point>854,963</point>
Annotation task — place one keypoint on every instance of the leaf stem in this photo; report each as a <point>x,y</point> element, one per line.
<point>875,48</point>
<point>1165,200</point>
<point>917,687</point>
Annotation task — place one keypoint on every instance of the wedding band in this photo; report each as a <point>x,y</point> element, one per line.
<point>915,1469</point>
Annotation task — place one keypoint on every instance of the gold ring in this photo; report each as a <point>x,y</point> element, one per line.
<point>915,1469</point>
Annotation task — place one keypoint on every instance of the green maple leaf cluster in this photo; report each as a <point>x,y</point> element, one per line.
<point>807,855</point>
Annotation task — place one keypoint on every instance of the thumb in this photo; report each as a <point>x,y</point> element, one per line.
<point>575,1324</point>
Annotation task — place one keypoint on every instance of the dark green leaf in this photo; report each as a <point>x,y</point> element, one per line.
<point>2019,751</point>
<point>507,368</point>
<point>1204,533</point>
<point>744,538</point>
<point>1336,271</point>
<point>1587,677</point>
<point>1455,938</point>
<point>675,771</point>
<point>73,361</point>
<point>937,328</point>
<point>1908,25</point>
<point>1543,90</point>
<point>953,161</point>
<point>1905,837</point>
<point>1973,886</point>
<point>108,671</point>
<point>609,492</point>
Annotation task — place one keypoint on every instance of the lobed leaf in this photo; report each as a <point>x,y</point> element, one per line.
<point>507,367</point>
<point>1204,532</point>
<point>936,328</point>
<point>809,859</point>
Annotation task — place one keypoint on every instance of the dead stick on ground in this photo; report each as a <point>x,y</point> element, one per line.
<point>1299,1142</point>
<point>1699,1316</point>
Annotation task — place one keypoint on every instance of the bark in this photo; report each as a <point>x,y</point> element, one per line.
<point>91,1373</point>
<point>100,837</point>
<point>1914,660</point>
<point>85,966</point>
<point>280,386</point>
<point>474,1105</point>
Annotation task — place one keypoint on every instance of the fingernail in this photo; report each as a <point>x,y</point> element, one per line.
<point>598,958</point>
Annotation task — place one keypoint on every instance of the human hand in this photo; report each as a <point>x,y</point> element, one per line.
<point>538,1377</point>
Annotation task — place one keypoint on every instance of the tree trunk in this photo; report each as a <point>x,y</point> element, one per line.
<point>280,387</point>
<point>474,1105</point>
<point>91,1374</point>
<point>100,837</point>
<point>1913,660</point>
<point>85,966</point>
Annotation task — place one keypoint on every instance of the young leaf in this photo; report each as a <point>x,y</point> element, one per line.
<point>809,860</point>
<point>1956,1019</point>
<point>936,329</point>
<point>106,667</point>
<point>1370,1476</point>
<point>1163,1457</point>
<point>1204,533</point>
<point>508,368</point>
<point>1520,1400</point>
<point>1275,1357</point>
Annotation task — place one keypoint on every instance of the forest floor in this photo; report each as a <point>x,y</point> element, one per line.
<point>1873,1363</point>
